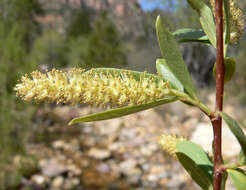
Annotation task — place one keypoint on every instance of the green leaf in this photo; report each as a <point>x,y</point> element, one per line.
<point>191,35</point>
<point>226,5</point>
<point>224,179</point>
<point>137,75</point>
<point>230,68</point>
<point>206,19</point>
<point>238,178</point>
<point>196,173</point>
<point>236,130</point>
<point>198,155</point>
<point>241,158</point>
<point>172,54</point>
<point>163,69</point>
<point>119,112</point>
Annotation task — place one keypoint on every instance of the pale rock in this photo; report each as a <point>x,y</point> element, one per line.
<point>42,163</point>
<point>152,177</point>
<point>127,165</point>
<point>90,141</point>
<point>192,112</point>
<point>117,146</point>
<point>38,179</point>
<point>75,181</point>
<point>63,113</point>
<point>128,133</point>
<point>177,181</point>
<point>103,168</point>
<point>71,183</point>
<point>57,182</point>
<point>157,169</point>
<point>191,123</point>
<point>134,175</point>
<point>203,135</point>
<point>87,129</point>
<point>109,127</point>
<point>58,144</point>
<point>53,169</point>
<point>99,153</point>
<point>72,168</point>
<point>72,146</point>
<point>149,149</point>
<point>145,166</point>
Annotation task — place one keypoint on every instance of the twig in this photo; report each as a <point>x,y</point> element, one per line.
<point>220,72</point>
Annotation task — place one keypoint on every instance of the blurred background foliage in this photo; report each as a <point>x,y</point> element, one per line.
<point>59,34</point>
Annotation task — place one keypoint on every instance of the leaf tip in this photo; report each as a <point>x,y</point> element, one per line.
<point>158,20</point>
<point>71,122</point>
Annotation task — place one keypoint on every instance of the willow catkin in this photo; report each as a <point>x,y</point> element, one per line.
<point>92,87</point>
<point>236,20</point>
<point>169,144</point>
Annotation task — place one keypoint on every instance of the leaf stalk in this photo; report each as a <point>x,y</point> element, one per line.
<point>195,102</point>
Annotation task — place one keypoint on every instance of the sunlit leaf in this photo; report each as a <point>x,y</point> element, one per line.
<point>236,130</point>
<point>206,19</point>
<point>196,173</point>
<point>238,178</point>
<point>241,158</point>
<point>119,112</point>
<point>191,35</point>
<point>137,75</point>
<point>230,68</point>
<point>173,57</point>
<point>163,69</point>
<point>198,155</point>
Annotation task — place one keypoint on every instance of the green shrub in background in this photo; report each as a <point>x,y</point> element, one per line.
<point>17,26</point>
<point>17,31</point>
<point>49,50</point>
<point>79,23</point>
<point>98,47</point>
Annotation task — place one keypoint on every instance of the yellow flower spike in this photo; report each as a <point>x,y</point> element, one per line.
<point>169,143</point>
<point>236,20</point>
<point>95,88</point>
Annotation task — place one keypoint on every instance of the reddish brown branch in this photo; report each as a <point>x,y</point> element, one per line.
<point>220,72</point>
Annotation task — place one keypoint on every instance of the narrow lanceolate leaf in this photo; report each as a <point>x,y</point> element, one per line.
<point>163,69</point>
<point>198,155</point>
<point>136,74</point>
<point>241,158</point>
<point>238,178</point>
<point>226,5</point>
<point>206,19</point>
<point>224,179</point>
<point>172,54</point>
<point>119,112</point>
<point>191,35</point>
<point>196,173</point>
<point>236,130</point>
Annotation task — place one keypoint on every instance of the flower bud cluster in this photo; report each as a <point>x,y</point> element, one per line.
<point>169,143</point>
<point>98,88</point>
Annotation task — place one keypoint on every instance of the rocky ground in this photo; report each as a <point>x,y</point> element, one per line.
<point>116,154</point>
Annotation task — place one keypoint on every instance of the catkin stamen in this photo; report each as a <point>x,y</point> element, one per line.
<point>169,144</point>
<point>92,87</point>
